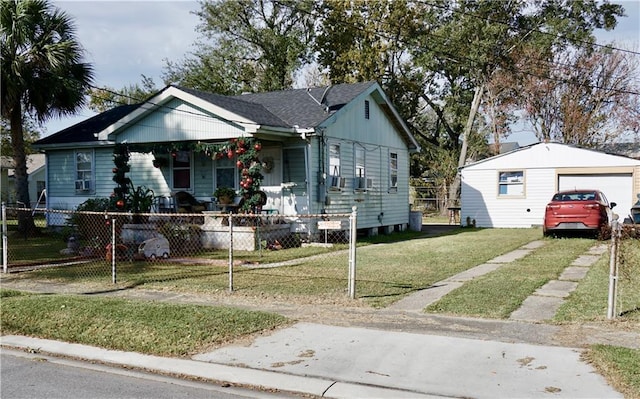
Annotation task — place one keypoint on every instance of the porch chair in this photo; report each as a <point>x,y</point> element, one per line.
<point>186,203</point>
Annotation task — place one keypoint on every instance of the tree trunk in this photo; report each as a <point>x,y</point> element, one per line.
<point>26,225</point>
<point>454,188</point>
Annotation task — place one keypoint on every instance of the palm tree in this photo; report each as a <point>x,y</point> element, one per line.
<point>42,75</point>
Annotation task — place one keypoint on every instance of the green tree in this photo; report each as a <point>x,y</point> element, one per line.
<point>103,99</point>
<point>449,52</point>
<point>585,97</point>
<point>252,45</point>
<point>371,40</point>
<point>42,74</point>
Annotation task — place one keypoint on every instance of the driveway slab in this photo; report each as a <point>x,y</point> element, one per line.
<point>573,273</point>
<point>511,256</point>
<point>585,260</point>
<point>556,288</point>
<point>419,300</point>
<point>537,308</point>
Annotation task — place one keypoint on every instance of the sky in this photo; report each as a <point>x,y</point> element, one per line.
<point>127,39</point>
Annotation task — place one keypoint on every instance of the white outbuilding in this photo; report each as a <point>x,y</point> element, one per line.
<point>512,189</point>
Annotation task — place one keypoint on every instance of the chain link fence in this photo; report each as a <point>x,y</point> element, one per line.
<point>624,268</point>
<point>213,249</point>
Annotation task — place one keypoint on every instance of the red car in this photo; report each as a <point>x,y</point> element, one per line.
<point>577,210</point>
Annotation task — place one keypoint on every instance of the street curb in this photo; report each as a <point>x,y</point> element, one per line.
<point>210,371</point>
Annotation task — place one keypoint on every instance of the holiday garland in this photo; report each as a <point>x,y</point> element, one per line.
<point>246,151</point>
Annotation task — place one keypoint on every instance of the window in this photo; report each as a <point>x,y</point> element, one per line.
<point>366,109</point>
<point>225,173</point>
<point>84,171</point>
<point>335,180</point>
<point>360,172</point>
<point>393,170</point>
<point>182,170</point>
<point>511,183</point>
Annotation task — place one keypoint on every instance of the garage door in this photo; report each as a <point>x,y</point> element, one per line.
<point>617,188</point>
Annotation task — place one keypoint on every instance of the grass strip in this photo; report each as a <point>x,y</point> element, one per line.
<point>621,367</point>
<point>386,272</point>
<point>499,293</point>
<point>146,327</point>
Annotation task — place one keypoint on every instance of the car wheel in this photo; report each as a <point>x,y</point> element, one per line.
<point>153,257</point>
<point>165,255</point>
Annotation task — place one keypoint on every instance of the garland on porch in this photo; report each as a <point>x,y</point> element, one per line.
<point>121,162</point>
<point>246,151</point>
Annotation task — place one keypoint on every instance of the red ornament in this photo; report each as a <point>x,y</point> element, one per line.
<point>239,164</point>
<point>230,154</point>
<point>240,151</point>
<point>120,204</point>
<point>249,181</point>
<point>245,172</point>
<point>257,146</point>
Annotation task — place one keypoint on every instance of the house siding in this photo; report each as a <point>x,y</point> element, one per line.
<point>177,121</point>
<point>377,206</point>
<point>297,159</point>
<point>482,204</point>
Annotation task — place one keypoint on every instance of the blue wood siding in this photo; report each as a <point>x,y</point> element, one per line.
<point>177,121</point>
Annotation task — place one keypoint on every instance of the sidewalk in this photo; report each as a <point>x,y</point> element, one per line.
<point>398,352</point>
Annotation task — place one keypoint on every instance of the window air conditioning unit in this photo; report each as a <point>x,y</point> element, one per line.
<point>362,183</point>
<point>337,182</point>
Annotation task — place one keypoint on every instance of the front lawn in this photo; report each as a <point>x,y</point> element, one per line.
<point>162,329</point>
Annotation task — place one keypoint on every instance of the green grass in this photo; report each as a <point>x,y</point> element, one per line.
<point>589,302</point>
<point>45,247</point>
<point>620,366</point>
<point>385,272</point>
<point>499,293</point>
<point>146,327</point>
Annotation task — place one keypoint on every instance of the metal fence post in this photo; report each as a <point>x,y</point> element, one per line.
<point>352,252</point>
<point>613,268</point>
<point>113,250</point>
<point>5,241</point>
<point>230,252</point>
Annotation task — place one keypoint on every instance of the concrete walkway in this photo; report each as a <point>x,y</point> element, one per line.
<point>418,301</point>
<point>545,302</point>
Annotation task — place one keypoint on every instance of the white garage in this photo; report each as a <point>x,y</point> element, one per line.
<point>512,189</point>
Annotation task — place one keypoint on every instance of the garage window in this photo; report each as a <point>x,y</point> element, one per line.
<point>511,183</point>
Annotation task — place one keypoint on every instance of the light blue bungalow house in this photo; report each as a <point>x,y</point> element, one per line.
<point>323,150</point>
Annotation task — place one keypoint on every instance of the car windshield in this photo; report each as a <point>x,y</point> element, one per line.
<point>575,196</point>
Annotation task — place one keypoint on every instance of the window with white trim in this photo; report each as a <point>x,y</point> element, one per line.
<point>335,180</point>
<point>181,170</point>
<point>511,183</point>
<point>84,171</point>
<point>393,170</point>
<point>359,168</point>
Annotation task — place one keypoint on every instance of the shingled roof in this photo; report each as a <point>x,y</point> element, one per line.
<point>303,108</point>
<point>85,131</point>
<point>307,108</point>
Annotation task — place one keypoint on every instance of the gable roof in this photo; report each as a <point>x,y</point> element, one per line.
<point>538,155</point>
<point>84,132</point>
<point>285,109</point>
<point>307,108</point>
